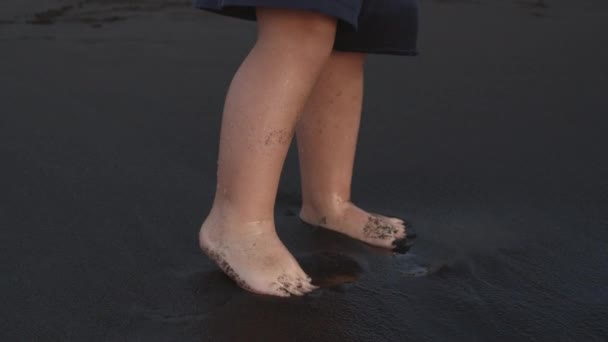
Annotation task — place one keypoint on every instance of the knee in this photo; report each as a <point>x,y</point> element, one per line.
<point>303,34</point>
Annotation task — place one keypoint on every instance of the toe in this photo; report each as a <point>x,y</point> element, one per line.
<point>311,287</point>
<point>297,288</point>
<point>396,220</point>
<point>279,292</point>
<point>308,286</point>
<point>293,285</point>
<point>280,289</point>
<point>285,291</point>
<point>391,219</point>
<point>299,285</point>
<point>296,292</point>
<point>282,292</point>
<point>305,286</point>
<point>401,233</point>
<point>302,276</point>
<point>397,223</point>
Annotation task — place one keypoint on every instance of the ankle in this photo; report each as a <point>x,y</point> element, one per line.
<point>230,213</point>
<point>327,208</point>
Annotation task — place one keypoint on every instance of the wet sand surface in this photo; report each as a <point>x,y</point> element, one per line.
<point>492,143</point>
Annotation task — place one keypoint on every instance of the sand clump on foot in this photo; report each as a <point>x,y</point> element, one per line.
<point>252,254</point>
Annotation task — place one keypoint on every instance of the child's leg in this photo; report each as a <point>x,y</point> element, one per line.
<point>264,99</point>
<point>326,136</point>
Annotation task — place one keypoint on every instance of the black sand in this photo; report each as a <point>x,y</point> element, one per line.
<point>492,142</point>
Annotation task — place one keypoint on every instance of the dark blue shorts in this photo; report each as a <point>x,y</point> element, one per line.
<point>371,26</point>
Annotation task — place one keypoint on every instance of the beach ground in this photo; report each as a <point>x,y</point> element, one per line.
<point>495,136</point>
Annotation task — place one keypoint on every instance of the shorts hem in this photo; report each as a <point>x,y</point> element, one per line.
<point>339,10</point>
<point>382,51</point>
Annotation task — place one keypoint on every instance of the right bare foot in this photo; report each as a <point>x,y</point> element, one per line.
<point>252,254</point>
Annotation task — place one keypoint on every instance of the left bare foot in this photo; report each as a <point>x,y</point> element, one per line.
<point>347,218</point>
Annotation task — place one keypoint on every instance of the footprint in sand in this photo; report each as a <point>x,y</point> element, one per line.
<point>330,269</point>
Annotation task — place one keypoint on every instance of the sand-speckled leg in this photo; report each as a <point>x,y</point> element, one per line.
<point>327,136</point>
<point>263,102</point>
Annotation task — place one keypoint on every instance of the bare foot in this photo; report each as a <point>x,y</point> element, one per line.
<point>348,219</point>
<point>253,256</point>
